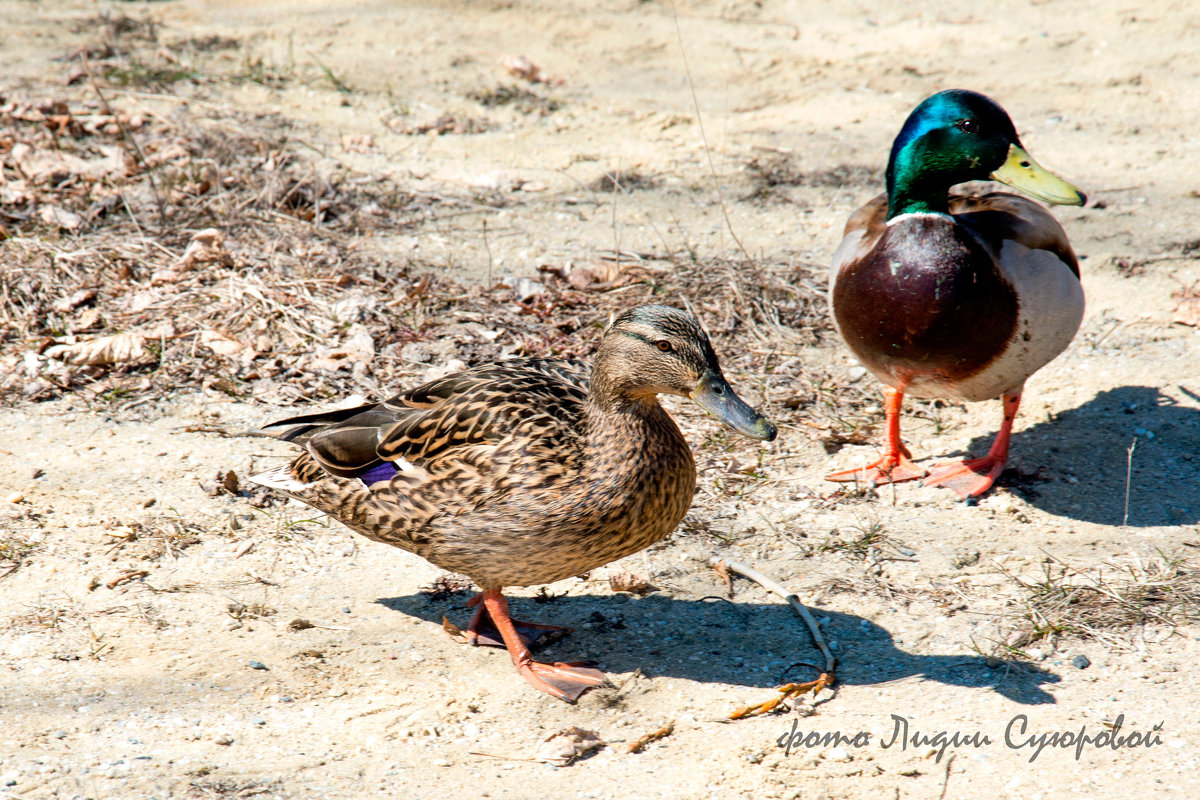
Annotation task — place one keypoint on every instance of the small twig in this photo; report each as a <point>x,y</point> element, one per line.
<point>946,775</point>
<point>488,248</point>
<point>793,601</point>
<point>723,573</point>
<point>1128,478</point>
<point>827,677</point>
<point>502,758</point>
<point>128,576</point>
<point>661,733</point>
<point>704,138</point>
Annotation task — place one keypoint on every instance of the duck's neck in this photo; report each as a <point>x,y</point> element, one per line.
<point>608,396</point>
<point>910,192</point>
<point>619,402</point>
<point>626,439</point>
<point>919,177</point>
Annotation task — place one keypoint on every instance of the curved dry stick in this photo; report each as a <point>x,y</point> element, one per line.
<point>827,678</point>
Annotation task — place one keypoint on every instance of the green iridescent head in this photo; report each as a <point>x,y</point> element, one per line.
<point>957,136</point>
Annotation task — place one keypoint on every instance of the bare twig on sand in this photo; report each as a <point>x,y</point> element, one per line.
<point>653,736</point>
<point>827,677</point>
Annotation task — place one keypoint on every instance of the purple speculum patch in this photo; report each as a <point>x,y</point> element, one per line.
<point>378,473</point>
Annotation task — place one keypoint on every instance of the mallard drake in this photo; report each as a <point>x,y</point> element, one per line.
<point>951,295</point>
<point>524,471</point>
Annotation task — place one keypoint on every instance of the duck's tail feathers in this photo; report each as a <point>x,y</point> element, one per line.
<point>310,423</point>
<point>280,478</point>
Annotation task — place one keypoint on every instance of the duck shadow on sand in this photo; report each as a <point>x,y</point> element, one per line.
<point>1075,465</point>
<point>747,644</point>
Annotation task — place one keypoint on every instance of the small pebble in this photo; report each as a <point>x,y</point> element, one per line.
<point>10,778</point>
<point>258,721</point>
<point>345,609</point>
<point>256,664</point>
<point>224,740</point>
<point>59,734</point>
<point>1081,661</point>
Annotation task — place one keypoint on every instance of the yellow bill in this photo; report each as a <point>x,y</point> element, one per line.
<point>1020,171</point>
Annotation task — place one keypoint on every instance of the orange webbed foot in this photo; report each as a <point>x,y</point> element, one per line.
<point>895,465</point>
<point>566,681</point>
<point>889,468</point>
<point>969,477</point>
<point>481,631</point>
<point>972,477</point>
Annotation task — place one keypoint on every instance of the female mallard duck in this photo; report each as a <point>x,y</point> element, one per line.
<point>524,471</point>
<point>949,295</point>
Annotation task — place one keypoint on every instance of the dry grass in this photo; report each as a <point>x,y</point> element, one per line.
<point>1119,605</point>
<point>149,253</point>
<point>283,303</point>
<point>156,538</point>
<point>15,551</point>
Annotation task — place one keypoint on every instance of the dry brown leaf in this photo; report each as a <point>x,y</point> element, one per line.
<point>220,343</point>
<point>115,349</point>
<point>567,745</point>
<point>453,631</point>
<point>79,298</point>
<point>15,193</point>
<point>628,582</point>
<point>522,67</point>
<point>60,218</point>
<point>42,165</point>
<point>356,347</point>
<point>206,247</point>
<point>88,318</point>
<point>362,143</point>
<point>606,274</point>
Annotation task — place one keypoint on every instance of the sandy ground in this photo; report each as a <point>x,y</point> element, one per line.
<point>152,686</point>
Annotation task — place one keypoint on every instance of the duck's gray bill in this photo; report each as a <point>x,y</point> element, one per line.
<point>714,396</point>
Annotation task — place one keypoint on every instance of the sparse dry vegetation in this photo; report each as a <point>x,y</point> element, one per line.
<point>1122,605</point>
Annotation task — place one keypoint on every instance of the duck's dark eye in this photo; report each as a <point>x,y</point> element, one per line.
<point>967,125</point>
<point>664,345</point>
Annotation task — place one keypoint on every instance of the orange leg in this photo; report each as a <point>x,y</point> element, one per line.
<point>973,477</point>
<point>895,464</point>
<point>564,681</point>
<point>482,631</point>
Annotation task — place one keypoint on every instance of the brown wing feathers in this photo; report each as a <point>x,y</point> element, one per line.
<point>480,405</point>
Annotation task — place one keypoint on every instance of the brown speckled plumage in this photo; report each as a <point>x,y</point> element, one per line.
<point>525,471</point>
